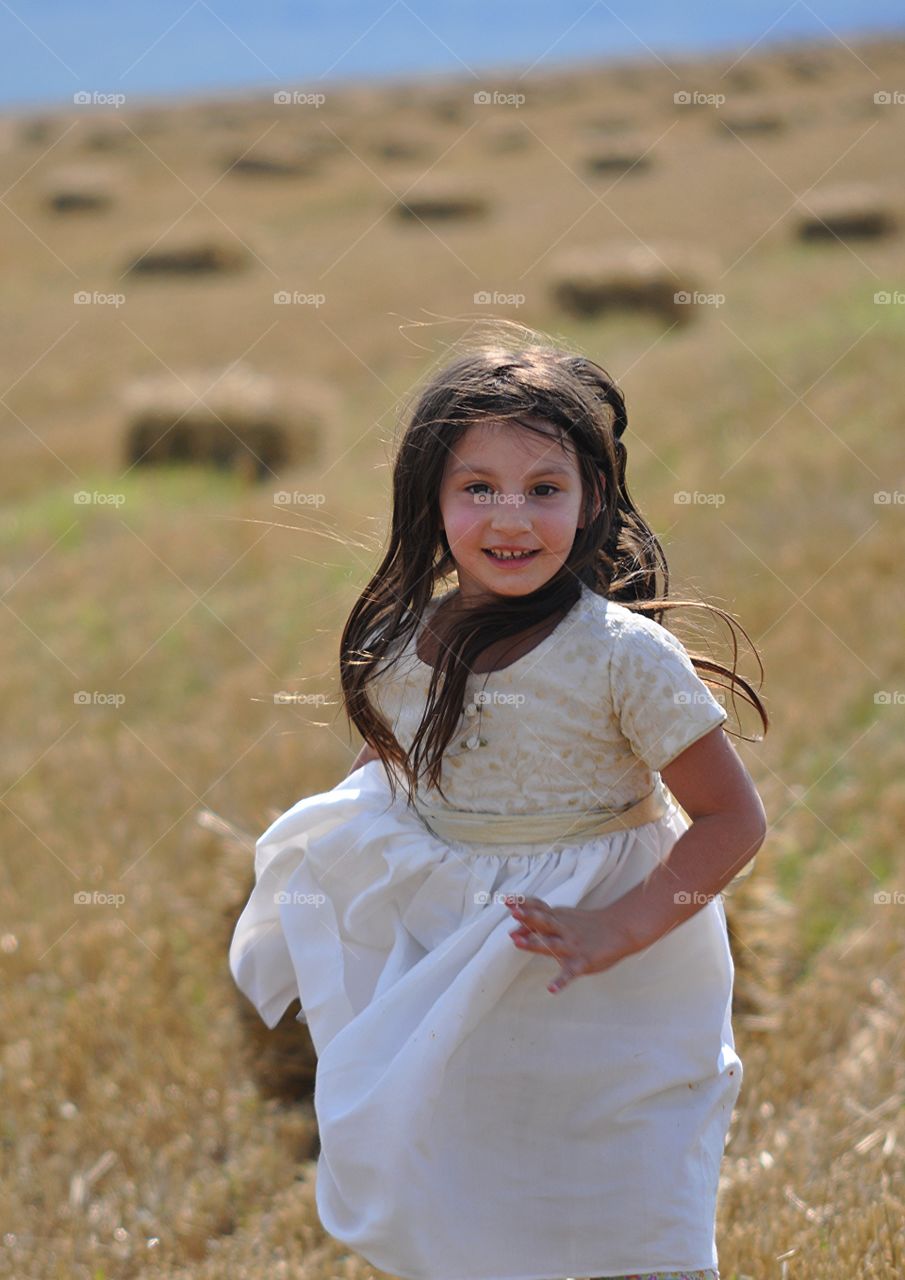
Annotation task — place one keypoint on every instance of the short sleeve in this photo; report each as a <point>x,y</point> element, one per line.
<point>388,687</point>
<point>385,692</point>
<point>661,703</point>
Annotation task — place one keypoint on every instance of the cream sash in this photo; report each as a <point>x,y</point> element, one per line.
<point>537,828</point>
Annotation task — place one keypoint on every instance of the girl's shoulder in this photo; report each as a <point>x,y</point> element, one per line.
<point>661,703</point>
<point>636,649</point>
<point>619,623</point>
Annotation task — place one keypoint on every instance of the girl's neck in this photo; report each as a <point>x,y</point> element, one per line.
<point>498,655</point>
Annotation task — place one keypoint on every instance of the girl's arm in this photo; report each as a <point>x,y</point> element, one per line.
<point>365,755</point>
<point>728,826</point>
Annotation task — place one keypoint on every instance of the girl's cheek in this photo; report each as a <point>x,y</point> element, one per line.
<point>462,521</point>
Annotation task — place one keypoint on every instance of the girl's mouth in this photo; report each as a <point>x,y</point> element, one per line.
<point>511,559</point>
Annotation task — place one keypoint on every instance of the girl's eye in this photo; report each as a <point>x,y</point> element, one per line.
<point>482,484</point>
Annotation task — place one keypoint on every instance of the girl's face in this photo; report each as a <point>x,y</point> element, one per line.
<point>507,488</point>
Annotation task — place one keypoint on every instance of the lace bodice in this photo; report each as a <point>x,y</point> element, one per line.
<point>585,720</point>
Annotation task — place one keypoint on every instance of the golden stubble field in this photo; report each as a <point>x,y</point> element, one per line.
<point>145,640</point>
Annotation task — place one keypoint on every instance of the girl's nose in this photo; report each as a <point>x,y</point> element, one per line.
<point>511,518</point>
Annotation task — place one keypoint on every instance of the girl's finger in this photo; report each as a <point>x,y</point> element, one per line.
<point>564,977</point>
<point>535,918</point>
<point>546,944</point>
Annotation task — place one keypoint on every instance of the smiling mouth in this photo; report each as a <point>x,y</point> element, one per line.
<point>511,557</point>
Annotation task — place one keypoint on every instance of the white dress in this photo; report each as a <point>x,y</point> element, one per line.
<point>473,1125</point>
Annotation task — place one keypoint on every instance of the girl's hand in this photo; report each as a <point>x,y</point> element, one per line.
<point>577,938</point>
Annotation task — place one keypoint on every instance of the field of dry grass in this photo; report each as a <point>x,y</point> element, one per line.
<point>148,631</point>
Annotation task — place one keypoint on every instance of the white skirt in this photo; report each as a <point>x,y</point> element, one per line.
<point>474,1126</point>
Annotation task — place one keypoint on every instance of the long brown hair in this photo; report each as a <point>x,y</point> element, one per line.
<point>615,553</point>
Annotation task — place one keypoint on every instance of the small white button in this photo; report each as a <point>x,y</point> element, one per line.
<point>471,709</point>
<point>473,742</point>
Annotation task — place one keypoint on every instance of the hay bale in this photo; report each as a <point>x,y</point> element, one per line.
<point>450,107</point>
<point>239,420</point>
<point>281,1061</point>
<point>403,144</point>
<point>625,155</point>
<point>230,121</point>
<point>436,199</point>
<point>113,137</point>
<point>627,75</point>
<point>402,96</point>
<point>809,65</point>
<point>751,121</point>
<point>853,211</point>
<point>629,276</point>
<point>295,160</point>
<point>760,922</point>
<point>79,188</point>
<point>37,130</point>
<point>189,254</point>
<point>858,106</point>
<point>742,79</point>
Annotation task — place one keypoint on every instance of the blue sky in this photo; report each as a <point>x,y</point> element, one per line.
<point>55,48</point>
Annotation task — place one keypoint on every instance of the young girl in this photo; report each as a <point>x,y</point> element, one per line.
<point>547,1100</point>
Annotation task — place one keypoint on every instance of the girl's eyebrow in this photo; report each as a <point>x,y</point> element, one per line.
<point>553,469</point>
